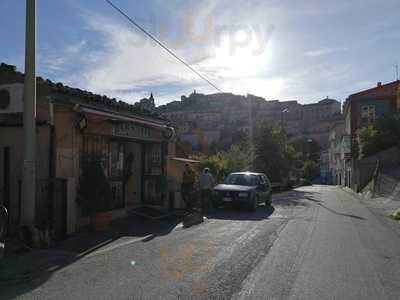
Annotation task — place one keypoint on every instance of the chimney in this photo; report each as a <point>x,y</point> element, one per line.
<point>379,84</point>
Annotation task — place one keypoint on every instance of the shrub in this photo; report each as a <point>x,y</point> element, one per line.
<point>310,170</point>
<point>94,192</point>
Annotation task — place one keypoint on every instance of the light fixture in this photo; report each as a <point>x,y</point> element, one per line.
<point>82,123</point>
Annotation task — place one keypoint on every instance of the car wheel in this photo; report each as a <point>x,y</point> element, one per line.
<point>216,204</point>
<point>254,203</point>
<point>268,202</point>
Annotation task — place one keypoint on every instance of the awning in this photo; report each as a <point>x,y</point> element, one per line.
<point>118,117</point>
<point>185,160</point>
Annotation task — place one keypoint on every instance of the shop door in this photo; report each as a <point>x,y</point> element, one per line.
<point>154,178</point>
<point>116,174</point>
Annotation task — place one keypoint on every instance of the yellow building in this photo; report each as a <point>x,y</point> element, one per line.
<point>73,127</point>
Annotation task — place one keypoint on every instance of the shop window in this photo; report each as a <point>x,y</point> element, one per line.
<point>96,148</point>
<point>111,156</point>
<point>116,159</point>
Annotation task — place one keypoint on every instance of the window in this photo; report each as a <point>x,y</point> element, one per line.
<point>367,114</point>
<point>111,156</point>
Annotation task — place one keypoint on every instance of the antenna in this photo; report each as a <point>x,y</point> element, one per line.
<point>396,66</point>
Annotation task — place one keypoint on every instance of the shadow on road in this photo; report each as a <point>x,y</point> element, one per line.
<point>24,272</point>
<point>301,198</point>
<point>240,214</point>
<point>295,198</point>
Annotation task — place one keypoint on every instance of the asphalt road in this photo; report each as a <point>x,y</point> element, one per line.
<point>316,242</point>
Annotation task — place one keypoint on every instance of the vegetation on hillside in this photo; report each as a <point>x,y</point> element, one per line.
<point>384,134</point>
<point>308,149</point>
<point>269,152</point>
<point>274,155</point>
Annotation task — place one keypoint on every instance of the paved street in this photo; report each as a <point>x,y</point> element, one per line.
<point>316,242</point>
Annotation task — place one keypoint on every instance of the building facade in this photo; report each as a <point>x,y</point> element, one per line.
<point>232,115</point>
<point>74,127</point>
<point>363,109</point>
<point>336,166</point>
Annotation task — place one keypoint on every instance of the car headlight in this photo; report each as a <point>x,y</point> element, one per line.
<point>243,195</point>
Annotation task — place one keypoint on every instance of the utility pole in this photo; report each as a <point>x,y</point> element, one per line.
<point>29,118</point>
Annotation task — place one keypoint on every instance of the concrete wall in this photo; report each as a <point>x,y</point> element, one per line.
<point>12,137</point>
<point>68,142</point>
<point>364,169</point>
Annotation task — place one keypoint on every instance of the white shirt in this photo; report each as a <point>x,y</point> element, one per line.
<point>206,181</point>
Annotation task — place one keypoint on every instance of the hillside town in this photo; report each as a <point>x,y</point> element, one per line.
<point>214,121</point>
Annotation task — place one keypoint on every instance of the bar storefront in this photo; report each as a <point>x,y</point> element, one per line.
<point>133,153</point>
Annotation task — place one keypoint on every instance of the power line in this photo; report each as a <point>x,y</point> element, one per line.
<point>161,44</point>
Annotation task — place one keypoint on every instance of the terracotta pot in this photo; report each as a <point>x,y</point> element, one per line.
<point>101,220</point>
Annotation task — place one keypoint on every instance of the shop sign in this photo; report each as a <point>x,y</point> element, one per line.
<point>131,130</point>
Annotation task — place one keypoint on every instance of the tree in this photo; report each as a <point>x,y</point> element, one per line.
<point>94,192</point>
<point>216,163</point>
<point>310,170</point>
<point>238,158</point>
<point>307,148</point>
<point>273,154</point>
<point>365,144</point>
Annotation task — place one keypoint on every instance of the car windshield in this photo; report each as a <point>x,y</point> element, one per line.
<point>241,179</point>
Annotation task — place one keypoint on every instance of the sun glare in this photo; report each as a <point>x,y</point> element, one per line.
<point>240,59</point>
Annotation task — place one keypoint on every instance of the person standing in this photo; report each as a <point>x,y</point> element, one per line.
<point>206,183</point>
<point>187,188</point>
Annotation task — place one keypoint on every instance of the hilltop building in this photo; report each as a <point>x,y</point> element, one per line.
<point>224,116</point>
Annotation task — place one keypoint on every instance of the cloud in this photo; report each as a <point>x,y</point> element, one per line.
<point>322,51</point>
<point>58,59</point>
<point>258,47</point>
<point>127,64</point>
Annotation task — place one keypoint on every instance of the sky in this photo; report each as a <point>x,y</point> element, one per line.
<point>287,50</point>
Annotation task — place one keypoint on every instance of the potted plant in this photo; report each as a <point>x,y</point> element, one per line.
<point>94,195</point>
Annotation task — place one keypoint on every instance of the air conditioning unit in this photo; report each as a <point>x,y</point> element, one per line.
<point>11,98</point>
